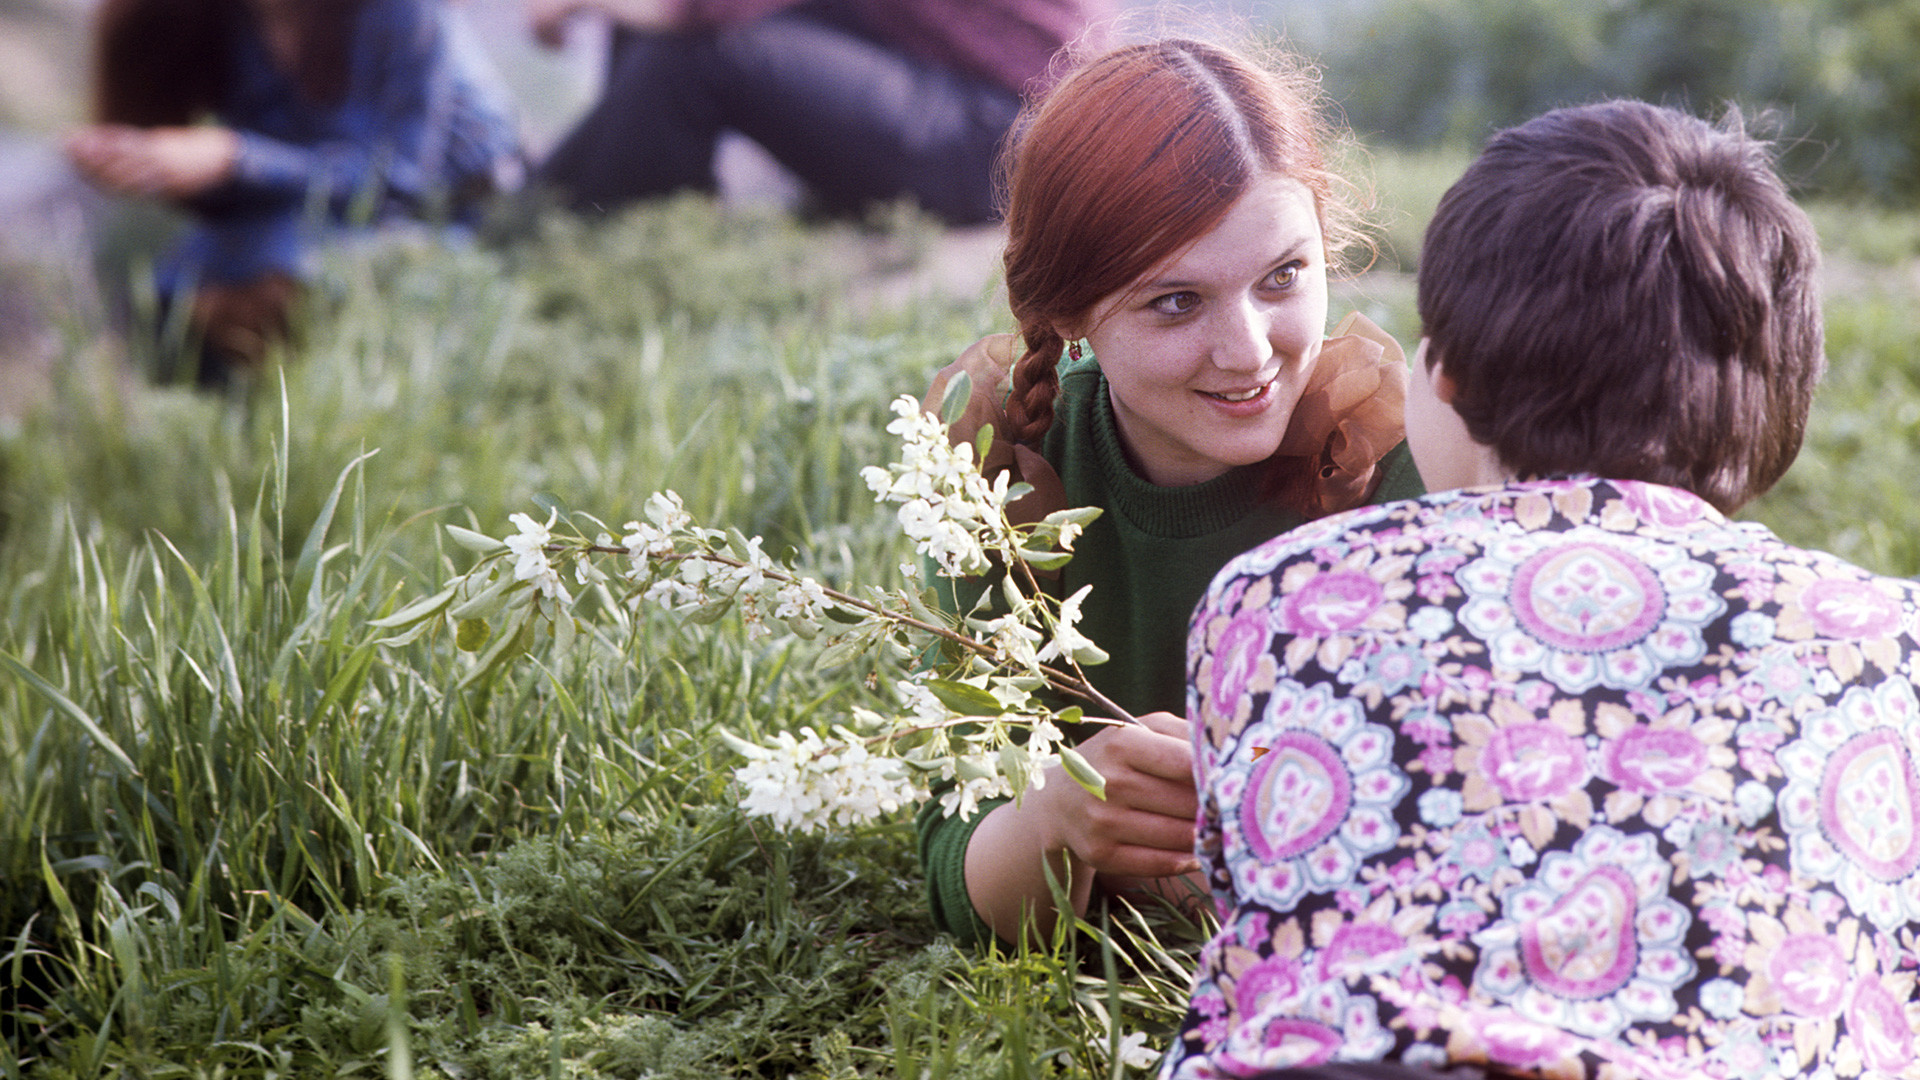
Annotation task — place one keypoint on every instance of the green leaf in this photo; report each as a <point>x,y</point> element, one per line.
<point>965,769</point>
<point>965,699</point>
<point>347,680</point>
<point>982,443</point>
<point>1090,655</point>
<point>1079,515</point>
<point>953,400</point>
<point>66,705</point>
<point>306,570</point>
<point>484,603</point>
<point>845,615</point>
<point>473,541</point>
<point>471,634</point>
<point>1044,560</point>
<point>409,635</point>
<point>712,613</point>
<point>506,646</point>
<point>844,651</point>
<point>1013,766</point>
<point>737,744</point>
<point>1084,773</point>
<point>418,610</point>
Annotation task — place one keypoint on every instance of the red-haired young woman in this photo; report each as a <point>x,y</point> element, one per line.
<point>1171,224</point>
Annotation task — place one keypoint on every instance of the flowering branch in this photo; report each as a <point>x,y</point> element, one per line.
<point>973,725</point>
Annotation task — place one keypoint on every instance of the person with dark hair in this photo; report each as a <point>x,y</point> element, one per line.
<point>265,119</point>
<point>1172,221</point>
<point>866,101</point>
<point>1557,768</point>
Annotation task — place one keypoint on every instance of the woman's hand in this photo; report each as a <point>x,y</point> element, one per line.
<point>1142,830</point>
<point>549,17</point>
<point>1144,827</point>
<point>163,163</point>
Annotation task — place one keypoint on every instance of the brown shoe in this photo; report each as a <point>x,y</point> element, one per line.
<point>237,324</point>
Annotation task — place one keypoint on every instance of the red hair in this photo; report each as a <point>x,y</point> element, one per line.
<point>1128,159</point>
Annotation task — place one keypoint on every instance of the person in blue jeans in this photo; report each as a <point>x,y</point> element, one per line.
<point>270,122</point>
<point>866,101</point>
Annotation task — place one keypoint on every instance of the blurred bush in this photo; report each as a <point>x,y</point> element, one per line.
<point>1839,75</point>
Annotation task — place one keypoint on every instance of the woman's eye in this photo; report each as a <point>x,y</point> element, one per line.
<point>1284,277</point>
<point>1175,303</point>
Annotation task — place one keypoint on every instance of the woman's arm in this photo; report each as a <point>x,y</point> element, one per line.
<point>1142,830</point>
<point>160,163</point>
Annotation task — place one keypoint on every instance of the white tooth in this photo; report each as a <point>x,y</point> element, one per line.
<point>1245,396</point>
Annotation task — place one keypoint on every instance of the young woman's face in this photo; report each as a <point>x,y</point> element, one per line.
<point>1207,353</point>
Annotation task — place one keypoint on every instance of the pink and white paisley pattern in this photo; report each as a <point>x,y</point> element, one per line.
<point>1575,776</point>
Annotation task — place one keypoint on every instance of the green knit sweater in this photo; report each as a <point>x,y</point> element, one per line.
<point>1149,557</point>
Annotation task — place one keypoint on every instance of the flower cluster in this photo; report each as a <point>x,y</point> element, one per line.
<point>973,727</point>
<point>945,504</point>
<point>809,783</point>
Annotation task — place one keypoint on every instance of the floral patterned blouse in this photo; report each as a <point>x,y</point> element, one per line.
<point>1573,776</point>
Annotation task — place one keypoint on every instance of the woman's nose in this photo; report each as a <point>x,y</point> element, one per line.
<point>1243,341</point>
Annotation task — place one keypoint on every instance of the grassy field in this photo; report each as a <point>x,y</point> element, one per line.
<point>243,835</point>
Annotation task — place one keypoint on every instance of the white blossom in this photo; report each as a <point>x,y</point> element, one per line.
<point>808,783</point>
<point>1068,641</point>
<point>1135,1053</point>
<point>920,701</point>
<point>665,509</point>
<point>964,798</point>
<point>530,562</point>
<point>1013,641</point>
<point>802,598</point>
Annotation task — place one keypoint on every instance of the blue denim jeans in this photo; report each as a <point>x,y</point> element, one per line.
<point>856,119</point>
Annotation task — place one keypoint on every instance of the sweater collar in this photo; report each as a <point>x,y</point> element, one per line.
<point>1174,513</point>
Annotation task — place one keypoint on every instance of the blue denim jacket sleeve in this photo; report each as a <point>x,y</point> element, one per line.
<point>425,123</point>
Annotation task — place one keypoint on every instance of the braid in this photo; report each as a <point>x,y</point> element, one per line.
<point>1036,379</point>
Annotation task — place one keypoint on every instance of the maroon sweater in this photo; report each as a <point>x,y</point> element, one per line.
<point>1008,41</point>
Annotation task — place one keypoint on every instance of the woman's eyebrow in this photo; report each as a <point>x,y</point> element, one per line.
<point>1286,255</point>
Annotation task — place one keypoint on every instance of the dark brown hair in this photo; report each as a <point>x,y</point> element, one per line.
<point>1129,158</point>
<point>164,62</point>
<point>1626,290</point>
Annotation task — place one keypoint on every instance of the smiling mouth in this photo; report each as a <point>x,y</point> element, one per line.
<point>1238,395</point>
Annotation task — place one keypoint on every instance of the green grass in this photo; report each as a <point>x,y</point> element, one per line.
<point>242,836</point>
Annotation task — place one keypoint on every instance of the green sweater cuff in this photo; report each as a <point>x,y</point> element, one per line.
<point>943,854</point>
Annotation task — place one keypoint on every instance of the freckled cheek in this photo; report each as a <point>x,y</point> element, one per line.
<point>1172,366</point>
<point>1296,336</point>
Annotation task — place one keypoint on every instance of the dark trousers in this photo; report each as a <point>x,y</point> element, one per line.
<point>857,120</point>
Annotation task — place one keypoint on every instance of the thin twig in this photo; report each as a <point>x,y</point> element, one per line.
<point>1075,683</point>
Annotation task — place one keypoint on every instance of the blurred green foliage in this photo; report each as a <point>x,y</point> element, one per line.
<point>1838,75</point>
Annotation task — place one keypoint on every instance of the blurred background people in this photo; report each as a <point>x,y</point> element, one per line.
<point>270,121</point>
<point>863,100</point>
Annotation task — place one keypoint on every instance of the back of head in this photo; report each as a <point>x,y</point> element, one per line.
<point>1130,157</point>
<point>1625,290</point>
<point>160,62</point>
